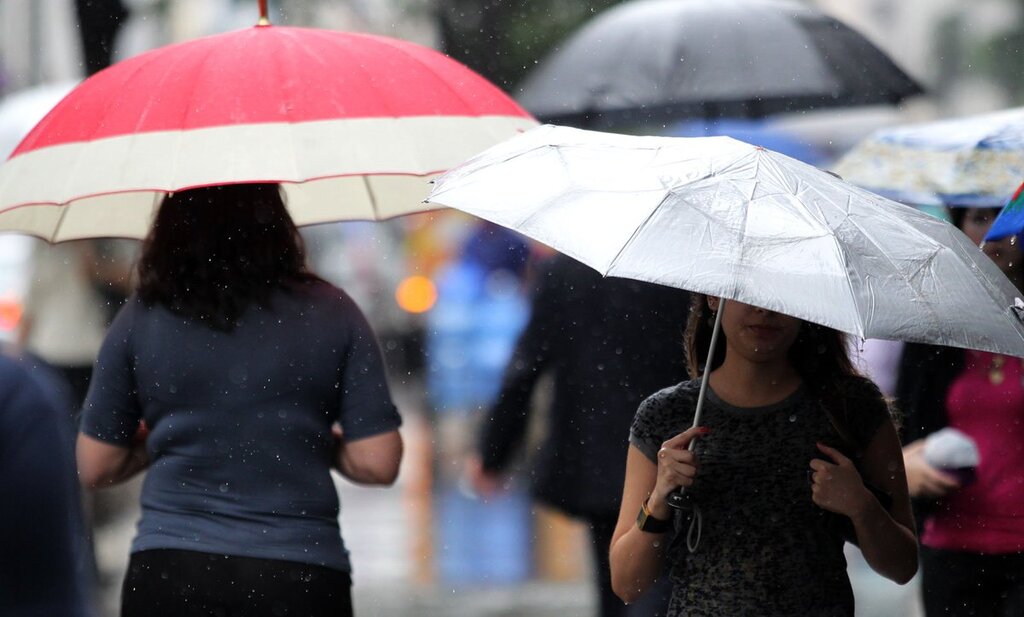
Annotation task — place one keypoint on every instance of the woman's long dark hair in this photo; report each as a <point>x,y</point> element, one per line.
<point>214,251</point>
<point>819,354</point>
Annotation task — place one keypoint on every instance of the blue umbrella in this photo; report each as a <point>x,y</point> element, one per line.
<point>1010,221</point>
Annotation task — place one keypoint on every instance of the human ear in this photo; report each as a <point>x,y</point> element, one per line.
<point>712,303</point>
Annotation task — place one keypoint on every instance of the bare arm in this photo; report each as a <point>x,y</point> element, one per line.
<point>370,460</point>
<point>638,557</point>
<point>103,464</point>
<point>886,538</point>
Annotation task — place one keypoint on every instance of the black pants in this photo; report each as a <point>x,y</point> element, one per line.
<point>654,603</point>
<point>175,583</point>
<point>968,584</point>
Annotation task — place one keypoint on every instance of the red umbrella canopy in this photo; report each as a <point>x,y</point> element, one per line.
<point>351,123</point>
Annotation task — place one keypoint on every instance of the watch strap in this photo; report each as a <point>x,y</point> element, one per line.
<point>646,522</point>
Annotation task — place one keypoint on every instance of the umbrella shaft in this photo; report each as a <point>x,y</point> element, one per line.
<point>677,499</point>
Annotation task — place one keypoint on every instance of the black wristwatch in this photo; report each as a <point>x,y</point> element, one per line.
<point>647,523</point>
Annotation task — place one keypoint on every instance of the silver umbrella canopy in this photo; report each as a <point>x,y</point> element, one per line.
<point>652,61</point>
<point>721,217</point>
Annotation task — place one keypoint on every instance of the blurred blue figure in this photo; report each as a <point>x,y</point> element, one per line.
<point>471,332</point>
<point>473,327</point>
<point>754,132</point>
<point>44,566</point>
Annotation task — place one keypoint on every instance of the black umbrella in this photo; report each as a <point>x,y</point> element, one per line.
<point>658,60</point>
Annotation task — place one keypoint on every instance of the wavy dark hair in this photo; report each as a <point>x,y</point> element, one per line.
<point>214,251</point>
<point>819,354</point>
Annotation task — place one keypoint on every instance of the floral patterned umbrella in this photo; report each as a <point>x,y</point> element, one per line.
<point>972,161</point>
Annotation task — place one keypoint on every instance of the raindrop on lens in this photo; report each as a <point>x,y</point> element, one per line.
<point>224,487</point>
<point>792,418</point>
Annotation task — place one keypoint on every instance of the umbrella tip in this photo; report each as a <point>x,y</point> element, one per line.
<point>264,19</point>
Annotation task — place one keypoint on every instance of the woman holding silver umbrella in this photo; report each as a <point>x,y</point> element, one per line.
<point>791,439</point>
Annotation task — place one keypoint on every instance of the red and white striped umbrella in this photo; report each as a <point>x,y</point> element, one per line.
<point>352,125</point>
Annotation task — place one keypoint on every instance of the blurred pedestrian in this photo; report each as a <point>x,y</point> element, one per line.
<point>225,376</point>
<point>74,290</point>
<point>791,437</point>
<point>44,568</point>
<point>607,343</point>
<point>972,525</point>
<point>99,21</point>
<point>470,333</point>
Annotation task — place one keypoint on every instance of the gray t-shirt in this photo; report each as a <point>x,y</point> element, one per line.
<point>240,421</point>
<point>765,548</point>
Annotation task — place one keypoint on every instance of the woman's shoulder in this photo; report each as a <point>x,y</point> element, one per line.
<point>861,389</point>
<point>667,405</point>
<point>676,394</point>
<point>863,407</point>
<point>662,415</point>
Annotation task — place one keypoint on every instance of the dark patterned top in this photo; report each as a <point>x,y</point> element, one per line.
<point>765,548</point>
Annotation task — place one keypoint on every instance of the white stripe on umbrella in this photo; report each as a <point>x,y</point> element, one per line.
<point>366,168</point>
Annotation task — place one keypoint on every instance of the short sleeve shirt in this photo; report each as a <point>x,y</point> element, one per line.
<point>765,547</point>
<point>240,421</point>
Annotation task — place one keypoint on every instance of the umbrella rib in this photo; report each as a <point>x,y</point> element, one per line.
<point>60,222</point>
<point>372,198</point>
<point>901,275</point>
<point>636,232</point>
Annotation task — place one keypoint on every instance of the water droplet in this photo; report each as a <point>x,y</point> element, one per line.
<point>792,418</point>
<point>224,487</point>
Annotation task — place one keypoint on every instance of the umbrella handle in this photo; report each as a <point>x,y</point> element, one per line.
<point>679,499</point>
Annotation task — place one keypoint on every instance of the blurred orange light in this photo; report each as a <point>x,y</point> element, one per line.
<point>10,314</point>
<point>416,294</point>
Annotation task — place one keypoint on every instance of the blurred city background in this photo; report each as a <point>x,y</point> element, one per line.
<point>446,317</point>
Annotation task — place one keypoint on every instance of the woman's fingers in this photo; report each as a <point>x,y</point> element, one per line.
<point>835,455</point>
<point>677,467</point>
<point>937,484</point>
<point>819,465</point>
<point>682,440</point>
